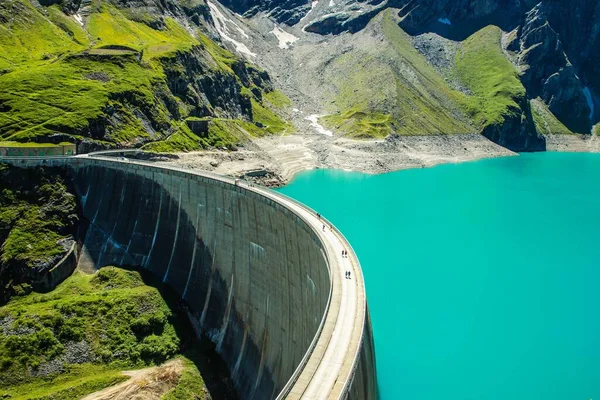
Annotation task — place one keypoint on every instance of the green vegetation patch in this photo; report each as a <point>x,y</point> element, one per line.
<point>30,36</point>
<point>190,384</point>
<point>219,133</point>
<point>69,25</point>
<point>223,58</point>
<point>19,144</point>
<point>112,27</point>
<point>109,81</point>
<point>68,95</point>
<point>392,89</point>
<point>361,125</point>
<point>277,99</point>
<point>271,122</point>
<point>484,69</point>
<point>75,339</point>
<point>545,121</point>
<point>75,382</point>
<point>37,213</point>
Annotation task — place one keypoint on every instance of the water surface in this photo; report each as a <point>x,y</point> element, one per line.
<point>482,278</point>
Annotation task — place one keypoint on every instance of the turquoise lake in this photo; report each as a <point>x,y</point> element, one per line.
<point>483,278</point>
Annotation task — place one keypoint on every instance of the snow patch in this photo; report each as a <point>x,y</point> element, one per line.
<point>285,38</point>
<point>590,101</point>
<point>78,18</point>
<point>314,122</point>
<point>331,3</point>
<point>444,21</point>
<point>295,110</point>
<point>221,25</point>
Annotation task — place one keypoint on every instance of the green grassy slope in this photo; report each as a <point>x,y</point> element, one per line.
<point>390,87</point>
<point>76,339</point>
<point>37,211</point>
<point>484,69</point>
<point>28,35</point>
<point>545,121</point>
<point>106,80</point>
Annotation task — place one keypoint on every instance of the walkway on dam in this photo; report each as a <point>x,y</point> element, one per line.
<point>333,358</point>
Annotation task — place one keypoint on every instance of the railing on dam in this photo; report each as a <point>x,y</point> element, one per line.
<point>316,375</point>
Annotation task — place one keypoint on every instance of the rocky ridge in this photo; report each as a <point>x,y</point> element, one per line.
<point>550,43</point>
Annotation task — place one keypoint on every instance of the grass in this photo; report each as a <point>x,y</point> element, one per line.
<point>95,82</point>
<point>182,140</point>
<point>37,211</point>
<point>122,318</point>
<point>223,58</point>
<point>124,322</point>
<point>112,27</point>
<point>30,36</point>
<point>63,97</point>
<point>484,69</point>
<point>405,96</point>
<point>545,121</point>
<point>361,125</point>
<point>77,382</point>
<point>71,27</point>
<point>222,133</point>
<point>277,99</point>
<point>271,122</point>
<point>190,384</point>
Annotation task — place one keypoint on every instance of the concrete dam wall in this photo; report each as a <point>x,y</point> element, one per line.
<point>258,275</point>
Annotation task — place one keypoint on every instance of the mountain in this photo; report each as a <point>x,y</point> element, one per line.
<point>126,73</point>
<point>180,75</point>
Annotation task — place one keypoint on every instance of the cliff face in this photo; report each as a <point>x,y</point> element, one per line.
<point>547,71</point>
<point>38,223</point>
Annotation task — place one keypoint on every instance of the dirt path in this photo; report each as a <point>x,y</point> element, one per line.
<point>148,383</point>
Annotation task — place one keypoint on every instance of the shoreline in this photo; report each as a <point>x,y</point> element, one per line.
<point>274,161</point>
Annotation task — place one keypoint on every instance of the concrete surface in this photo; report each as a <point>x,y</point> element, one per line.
<point>256,270</point>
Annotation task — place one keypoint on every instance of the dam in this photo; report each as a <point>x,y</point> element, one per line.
<point>260,274</point>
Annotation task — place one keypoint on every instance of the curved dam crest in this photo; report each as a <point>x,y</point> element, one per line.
<point>256,274</point>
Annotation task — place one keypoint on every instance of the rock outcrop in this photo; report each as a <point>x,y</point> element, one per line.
<point>548,73</point>
<point>555,44</point>
<point>288,12</point>
<point>38,223</point>
<point>517,132</point>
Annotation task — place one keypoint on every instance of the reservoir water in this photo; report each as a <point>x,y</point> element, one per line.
<point>483,278</point>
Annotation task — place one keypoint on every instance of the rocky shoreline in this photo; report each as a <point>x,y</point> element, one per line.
<point>273,161</point>
<point>573,143</point>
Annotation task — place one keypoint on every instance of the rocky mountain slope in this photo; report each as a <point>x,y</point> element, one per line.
<point>126,73</point>
<point>552,47</point>
<point>38,224</point>
<point>157,73</point>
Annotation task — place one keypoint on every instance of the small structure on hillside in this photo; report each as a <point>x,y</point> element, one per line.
<point>15,149</point>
